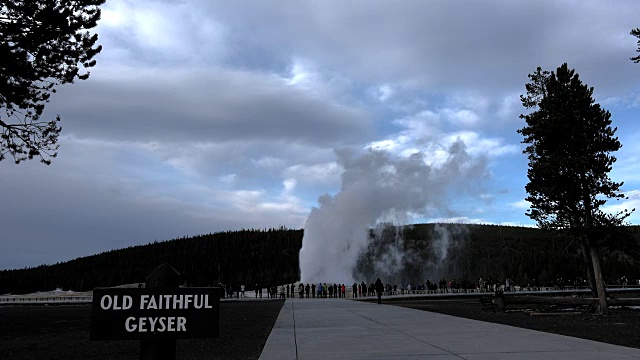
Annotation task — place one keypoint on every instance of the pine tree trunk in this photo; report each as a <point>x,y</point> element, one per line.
<point>589,267</point>
<point>602,296</point>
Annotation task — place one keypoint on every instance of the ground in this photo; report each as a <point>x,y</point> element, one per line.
<point>620,327</point>
<point>62,332</point>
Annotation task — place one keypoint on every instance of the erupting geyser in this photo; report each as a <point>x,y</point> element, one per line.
<point>377,186</point>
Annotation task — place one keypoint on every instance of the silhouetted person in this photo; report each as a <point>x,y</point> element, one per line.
<point>379,288</point>
<point>313,290</point>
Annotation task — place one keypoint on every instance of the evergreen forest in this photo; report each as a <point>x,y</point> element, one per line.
<point>420,252</point>
<point>247,257</point>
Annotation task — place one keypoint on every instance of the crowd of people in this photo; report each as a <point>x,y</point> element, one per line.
<point>356,290</point>
<point>319,290</point>
<point>309,290</point>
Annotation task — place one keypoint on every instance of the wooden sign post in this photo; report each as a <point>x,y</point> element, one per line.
<point>156,315</point>
<point>164,277</point>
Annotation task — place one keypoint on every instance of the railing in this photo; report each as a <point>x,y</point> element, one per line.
<point>27,299</point>
<point>8,300</point>
<point>514,289</point>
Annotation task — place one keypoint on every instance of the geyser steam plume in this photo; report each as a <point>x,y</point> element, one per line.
<point>377,186</point>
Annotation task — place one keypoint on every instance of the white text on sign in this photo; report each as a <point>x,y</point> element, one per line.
<point>157,302</point>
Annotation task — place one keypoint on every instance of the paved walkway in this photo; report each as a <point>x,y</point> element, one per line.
<point>345,329</point>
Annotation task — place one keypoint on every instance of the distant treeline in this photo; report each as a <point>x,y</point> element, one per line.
<point>233,258</point>
<point>466,252</point>
<point>270,257</point>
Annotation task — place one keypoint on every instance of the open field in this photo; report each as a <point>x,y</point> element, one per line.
<point>62,332</point>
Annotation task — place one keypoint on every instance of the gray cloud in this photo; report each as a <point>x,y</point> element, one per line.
<point>204,106</point>
<point>481,45</point>
<point>80,206</point>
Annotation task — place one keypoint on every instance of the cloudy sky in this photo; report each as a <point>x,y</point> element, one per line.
<point>205,116</point>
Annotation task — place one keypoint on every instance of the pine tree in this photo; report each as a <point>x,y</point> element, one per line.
<point>42,44</point>
<point>570,141</point>
<point>636,33</point>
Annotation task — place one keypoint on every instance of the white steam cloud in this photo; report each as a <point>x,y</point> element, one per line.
<point>377,186</point>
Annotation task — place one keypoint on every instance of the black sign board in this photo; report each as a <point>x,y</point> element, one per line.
<point>135,314</point>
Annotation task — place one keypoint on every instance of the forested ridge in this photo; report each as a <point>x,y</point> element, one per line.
<point>232,257</point>
<point>527,256</point>
<point>270,256</point>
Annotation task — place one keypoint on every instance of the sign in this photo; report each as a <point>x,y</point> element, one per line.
<point>135,314</point>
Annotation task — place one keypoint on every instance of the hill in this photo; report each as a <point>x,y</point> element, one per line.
<point>422,251</point>
<point>467,252</point>
<point>233,257</point>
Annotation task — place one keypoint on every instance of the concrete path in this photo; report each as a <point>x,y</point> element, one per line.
<point>345,329</point>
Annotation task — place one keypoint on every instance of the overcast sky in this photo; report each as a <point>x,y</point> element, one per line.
<point>205,116</point>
